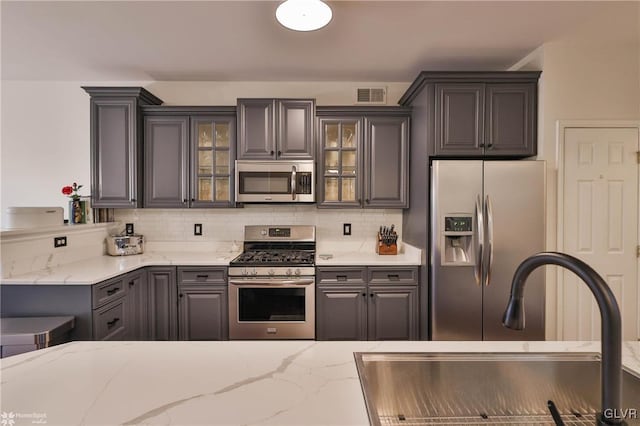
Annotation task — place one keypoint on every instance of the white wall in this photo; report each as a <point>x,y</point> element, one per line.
<point>593,74</point>
<point>45,132</point>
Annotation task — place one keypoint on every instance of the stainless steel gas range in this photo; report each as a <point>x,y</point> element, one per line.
<point>272,284</point>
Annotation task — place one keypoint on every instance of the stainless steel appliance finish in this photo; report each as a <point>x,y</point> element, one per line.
<point>272,284</point>
<point>125,245</point>
<point>486,388</point>
<point>486,217</point>
<point>275,181</point>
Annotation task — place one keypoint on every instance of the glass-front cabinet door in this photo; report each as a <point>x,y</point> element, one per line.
<point>212,151</point>
<point>340,150</point>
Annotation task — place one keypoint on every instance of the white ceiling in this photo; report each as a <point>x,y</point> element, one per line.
<point>241,40</point>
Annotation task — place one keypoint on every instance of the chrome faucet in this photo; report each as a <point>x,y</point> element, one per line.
<point>611,369</point>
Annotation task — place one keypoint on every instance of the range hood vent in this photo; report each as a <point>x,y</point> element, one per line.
<point>371,95</point>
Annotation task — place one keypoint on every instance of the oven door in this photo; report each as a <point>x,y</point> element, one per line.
<point>272,308</point>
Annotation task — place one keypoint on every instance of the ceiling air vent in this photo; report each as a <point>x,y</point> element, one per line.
<point>371,95</point>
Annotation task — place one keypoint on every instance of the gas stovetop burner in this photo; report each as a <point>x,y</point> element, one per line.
<point>275,257</point>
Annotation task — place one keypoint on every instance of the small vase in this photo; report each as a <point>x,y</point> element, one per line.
<point>77,211</point>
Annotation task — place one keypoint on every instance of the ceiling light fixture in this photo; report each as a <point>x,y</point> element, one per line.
<point>304,15</point>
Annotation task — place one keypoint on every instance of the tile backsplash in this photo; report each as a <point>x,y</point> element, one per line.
<point>224,225</point>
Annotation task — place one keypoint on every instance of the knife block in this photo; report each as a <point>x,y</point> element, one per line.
<point>383,249</point>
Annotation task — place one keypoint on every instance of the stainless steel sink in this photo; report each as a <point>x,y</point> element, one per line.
<point>485,388</point>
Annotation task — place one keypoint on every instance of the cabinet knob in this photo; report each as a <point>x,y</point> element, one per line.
<point>481,145</point>
<point>371,295</point>
<point>279,153</point>
<point>193,200</point>
<point>180,295</point>
<point>132,283</point>
<point>185,201</point>
<point>271,152</point>
<point>366,201</point>
<point>490,146</point>
<point>364,294</point>
<point>133,200</point>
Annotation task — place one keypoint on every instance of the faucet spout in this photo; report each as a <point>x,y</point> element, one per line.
<point>611,369</point>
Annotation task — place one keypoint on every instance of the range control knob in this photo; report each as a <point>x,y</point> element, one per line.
<point>271,272</point>
<point>263,232</point>
<point>297,272</point>
<point>288,272</point>
<point>254,273</point>
<point>244,272</point>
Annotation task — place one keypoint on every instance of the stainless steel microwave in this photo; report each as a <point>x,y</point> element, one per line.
<point>275,181</point>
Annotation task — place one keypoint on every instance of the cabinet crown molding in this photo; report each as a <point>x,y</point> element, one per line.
<point>144,96</point>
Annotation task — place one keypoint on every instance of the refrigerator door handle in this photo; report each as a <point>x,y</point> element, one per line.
<point>477,269</point>
<point>489,262</point>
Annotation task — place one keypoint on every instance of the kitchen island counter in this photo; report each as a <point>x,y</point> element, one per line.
<point>215,383</point>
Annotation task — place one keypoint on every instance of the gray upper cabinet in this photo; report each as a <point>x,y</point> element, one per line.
<point>476,114</point>
<point>363,156</point>
<point>510,119</point>
<point>116,145</point>
<point>189,156</point>
<point>166,144</point>
<point>270,129</point>
<point>386,164</point>
<point>459,124</point>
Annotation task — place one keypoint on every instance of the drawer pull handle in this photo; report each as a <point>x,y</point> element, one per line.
<point>112,291</point>
<point>113,322</point>
<point>204,276</point>
<point>393,277</point>
<point>341,277</point>
<point>132,283</point>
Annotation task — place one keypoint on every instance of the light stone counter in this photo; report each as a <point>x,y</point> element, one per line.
<point>94,270</point>
<point>365,255</point>
<point>214,383</point>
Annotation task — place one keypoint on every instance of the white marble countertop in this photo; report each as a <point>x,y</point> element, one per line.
<point>95,270</point>
<point>215,383</point>
<point>342,255</point>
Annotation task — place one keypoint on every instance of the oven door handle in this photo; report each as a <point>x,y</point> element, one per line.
<point>269,282</point>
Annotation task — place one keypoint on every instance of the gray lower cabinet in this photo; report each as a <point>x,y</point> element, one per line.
<point>137,295</point>
<point>189,157</point>
<point>367,303</point>
<point>276,129</point>
<point>363,156</point>
<point>202,303</point>
<point>116,145</point>
<point>111,310</point>
<point>162,303</point>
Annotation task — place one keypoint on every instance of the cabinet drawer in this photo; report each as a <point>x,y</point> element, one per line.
<point>194,276</point>
<point>393,275</point>
<point>107,291</point>
<point>109,321</point>
<point>341,275</point>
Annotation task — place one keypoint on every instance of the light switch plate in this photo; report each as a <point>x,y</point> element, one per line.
<point>129,228</point>
<point>346,229</point>
<point>59,242</point>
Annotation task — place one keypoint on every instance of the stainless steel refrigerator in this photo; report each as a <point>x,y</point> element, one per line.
<point>486,217</point>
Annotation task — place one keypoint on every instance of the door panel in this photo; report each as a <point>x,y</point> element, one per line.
<point>392,313</point>
<point>295,132</point>
<point>341,313</point>
<point>600,226</point>
<point>256,133</point>
<point>459,119</point>
<point>456,299</point>
<point>516,190</point>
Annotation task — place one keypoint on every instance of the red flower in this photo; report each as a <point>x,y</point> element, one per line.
<point>67,190</point>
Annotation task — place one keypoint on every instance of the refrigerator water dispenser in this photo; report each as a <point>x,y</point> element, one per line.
<point>458,240</point>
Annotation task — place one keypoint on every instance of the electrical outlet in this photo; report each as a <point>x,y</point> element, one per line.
<point>59,242</point>
<point>346,229</point>
<point>197,229</point>
<point>129,229</point>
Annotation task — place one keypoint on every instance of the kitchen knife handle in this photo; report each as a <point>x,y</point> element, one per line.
<point>477,269</point>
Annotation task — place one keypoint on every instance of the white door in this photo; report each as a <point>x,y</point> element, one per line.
<point>600,226</point>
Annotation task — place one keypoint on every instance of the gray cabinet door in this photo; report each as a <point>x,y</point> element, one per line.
<point>213,152</point>
<point>341,313</point>
<point>386,162</point>
<point>166,162</point>
<point>115,156</point>
<point>203,313</point>
<point>138,304</point>
<point>256,129</point>
<point>393,313</point>
<point>510,119</point>
<point>295,137</point>
<point>162,307</point>
<point>459,119</point>
<point>111,321</point>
